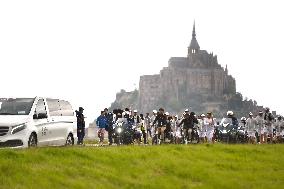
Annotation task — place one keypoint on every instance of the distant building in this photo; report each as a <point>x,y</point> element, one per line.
<point>195,81</point>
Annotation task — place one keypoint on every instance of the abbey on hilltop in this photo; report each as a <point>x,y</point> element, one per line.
<point>196,81</point>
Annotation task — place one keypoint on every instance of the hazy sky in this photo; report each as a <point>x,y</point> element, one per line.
<point>86,51</point>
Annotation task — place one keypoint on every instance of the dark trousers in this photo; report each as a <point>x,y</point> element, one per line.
<point>110,133</point>
<point>144,136</point>
<point>80,135</point>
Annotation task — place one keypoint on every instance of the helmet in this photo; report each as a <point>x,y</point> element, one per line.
<point>155,111</point>
<point>186,110</point>
<point>243,119</point>
<point>230,113</point>
<point>167,114</point>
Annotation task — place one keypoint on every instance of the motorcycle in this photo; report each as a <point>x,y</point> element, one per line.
<point>122,133</point>
<point>228,132</point>
<point>242,136</point>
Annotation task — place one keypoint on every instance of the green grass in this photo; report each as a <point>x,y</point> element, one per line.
<point>192,166</point>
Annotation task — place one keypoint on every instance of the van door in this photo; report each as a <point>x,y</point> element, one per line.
<point>57,129</point>
<point>41,123</point>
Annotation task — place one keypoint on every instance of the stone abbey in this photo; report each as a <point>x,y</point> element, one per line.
<point>196,81</point>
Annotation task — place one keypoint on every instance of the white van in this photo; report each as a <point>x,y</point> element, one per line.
<point>28,122</point>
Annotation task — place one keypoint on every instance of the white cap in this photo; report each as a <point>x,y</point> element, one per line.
<point>250,114</point>
<point>202,115</point>
<point>186,110</point>
<point>230,112</point>
<point>243,119</point>
<point>167,113</point>
<point>155,111</point>
<point>135,111</point>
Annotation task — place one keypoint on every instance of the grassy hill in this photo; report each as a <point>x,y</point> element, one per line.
<point>193,166</point>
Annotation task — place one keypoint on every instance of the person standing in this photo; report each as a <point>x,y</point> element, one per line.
<point>153,127</point>
<point>203,128</point>
<point>147,122</point>
<point>278,127</point>
<point>209,123</point>
<point>251,128</point>
<point>143,128</point>
<point>261,129</point>
<point>80,125</point>
<point>268,121</point>
<point>102,124</point>
<point>109,127</point>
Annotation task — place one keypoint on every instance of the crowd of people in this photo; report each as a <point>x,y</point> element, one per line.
<point>162,127</point>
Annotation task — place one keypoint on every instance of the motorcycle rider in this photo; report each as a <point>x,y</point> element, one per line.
<point>209,123</point>
<point>161,120</point>
<point>251,128</point>
<point>230,115</point>
<point>268,121</point>
<point>188,123</point>
<point>261,129</point>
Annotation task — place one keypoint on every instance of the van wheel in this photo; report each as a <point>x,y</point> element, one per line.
<point>69,140</point>
<point>32,140</point>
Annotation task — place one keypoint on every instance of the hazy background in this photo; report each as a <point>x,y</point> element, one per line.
<point>86,51</point>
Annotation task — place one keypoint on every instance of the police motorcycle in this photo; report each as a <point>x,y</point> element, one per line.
<point>228,131</point>
<point>123,133</point>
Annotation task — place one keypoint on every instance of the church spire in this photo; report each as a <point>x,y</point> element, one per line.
<point>194,46</point>
<point>193,31</point>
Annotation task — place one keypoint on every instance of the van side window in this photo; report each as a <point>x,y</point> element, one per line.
<point>53,106</point>
<point>40,107</point>
<point>65,108</point>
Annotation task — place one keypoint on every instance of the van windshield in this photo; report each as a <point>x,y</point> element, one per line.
<point>16,106</point>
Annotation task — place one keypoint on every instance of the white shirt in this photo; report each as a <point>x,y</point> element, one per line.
<point>251,124</point>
